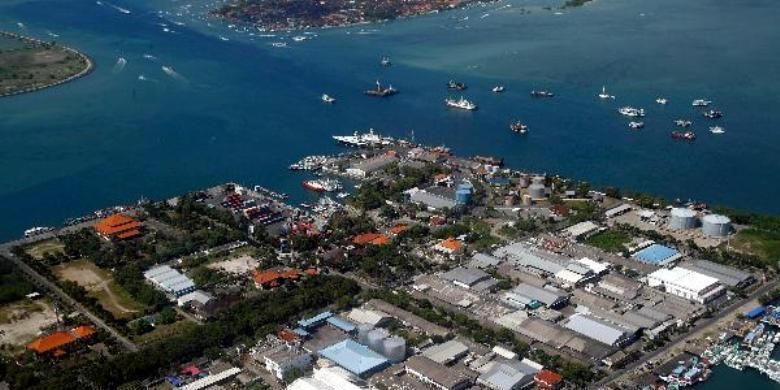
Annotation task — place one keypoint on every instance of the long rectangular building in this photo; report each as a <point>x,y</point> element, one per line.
<point>728,276</point>
<point>687,284</point>
<point>602,331</point>
<point>170,280</point>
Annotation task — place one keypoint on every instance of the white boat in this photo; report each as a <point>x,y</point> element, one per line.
<point>604,95</point>
<point>498,89</point>
<point>461,103</point>
<point>365,140</point>
<point>636,125</point>
<point>386,61</point>
<point>701,102</point>
<point>682,123</point>
<point>34,231</point>
<point>631,112</point>
<point>717,130</point>
<point>327,98</point>
<point>342,195</point>
<point>662,100</point>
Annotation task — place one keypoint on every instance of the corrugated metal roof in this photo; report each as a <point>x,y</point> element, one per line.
<point>540,294</point>
<point>446,352</point>
<point>596,329</point>
<point>354,357</point>
<point>467,276</point>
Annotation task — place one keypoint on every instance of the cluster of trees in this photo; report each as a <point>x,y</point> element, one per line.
<point>372,195</point>
<point>13,286</point>
<point>243,323</point>
<point>387,264</point>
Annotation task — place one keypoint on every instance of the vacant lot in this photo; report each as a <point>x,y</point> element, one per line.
<point>39,249</point>
<point>100,285</point>
<point>164,331</point>
<point>237,266</point>
<point>22,321</point>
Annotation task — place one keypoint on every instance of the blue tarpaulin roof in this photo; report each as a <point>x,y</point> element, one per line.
<point>341,324</point>
<point>314,321</point>
<point>656,254</point>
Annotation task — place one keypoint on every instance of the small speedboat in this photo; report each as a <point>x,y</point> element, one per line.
<point>498,89</point>
<point>717,130</point>
<point>327,98</point>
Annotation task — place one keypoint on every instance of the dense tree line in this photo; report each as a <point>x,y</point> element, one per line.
<point>13,286</point>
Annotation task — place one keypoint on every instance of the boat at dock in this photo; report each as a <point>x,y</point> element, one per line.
<point>461,103</point>
<point>365,140</point>
<point>309,163</point>
<point>37,230</point>
<point>381,91</point>
<point>456,85</point>
<point>322,185</point>
<point>684,135</point>
<point>542,93</point>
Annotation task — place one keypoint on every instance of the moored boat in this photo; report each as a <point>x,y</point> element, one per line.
<point>461,103</point>
<point>684,135</point>
<point>518,127</point>
<point>542,93</point>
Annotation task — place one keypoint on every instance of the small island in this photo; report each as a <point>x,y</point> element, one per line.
<point>28,64</point>
<point>303,14</point>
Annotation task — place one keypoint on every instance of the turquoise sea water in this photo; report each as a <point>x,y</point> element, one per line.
<point>243,110</point>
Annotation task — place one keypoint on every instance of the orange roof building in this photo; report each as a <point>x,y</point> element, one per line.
<point>118,226</point>
<point>548,380</point>
<point>271,278</point>
<point>399,228</point>
<point>55,343</point>
<point>449,246</point>
<point>371,239</point>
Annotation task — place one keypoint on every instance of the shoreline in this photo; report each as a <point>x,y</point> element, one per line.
<point>90,65</point>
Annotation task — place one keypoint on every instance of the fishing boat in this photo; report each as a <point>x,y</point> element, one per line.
<point>631,112</point>
<point>682,123</point>
<point>498,89</point>
<point>542,93</point>
<point>322,185</point>
<point>701,102</point>
<point>386,61</point>
<point>717,130</point>
<point>518,127</point>
<point>713,114</point>
<point>684,135</point>
<point>636,125</point>
<point>461,103</point>
<point>327,98</point>
<point>456,85</point>
<point>604,95</point>
<point>381,91</point>
<point>662,100</point>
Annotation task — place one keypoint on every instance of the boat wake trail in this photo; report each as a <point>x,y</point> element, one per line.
<point>173,74</point>
<point>142,77</point>
<point>120,9</point>
<point>121,62</point>
<point>150,57</point>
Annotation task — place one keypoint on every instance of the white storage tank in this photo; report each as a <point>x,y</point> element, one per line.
<point>362,333</point>
<point>536,191</point>
<point>376,339</point>
<point>682,219</point>
<point>395,349</point>
<point>716,225</point>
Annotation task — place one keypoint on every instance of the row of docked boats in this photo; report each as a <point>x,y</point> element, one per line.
<point>755,351</point>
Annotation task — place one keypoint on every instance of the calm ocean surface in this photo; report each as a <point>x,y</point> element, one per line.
<point>243,110</point>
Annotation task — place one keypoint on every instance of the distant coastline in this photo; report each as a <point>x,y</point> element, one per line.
<point>87,68</point>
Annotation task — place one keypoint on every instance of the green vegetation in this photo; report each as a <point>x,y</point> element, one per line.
<point>29,64</point>
<point>46,248</point>
<point>610,241</point>
<point>372,195</point>
<point>13,285</point>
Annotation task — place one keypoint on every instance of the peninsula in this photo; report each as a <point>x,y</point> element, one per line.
<point>303,14</point>
<point>28,64</point>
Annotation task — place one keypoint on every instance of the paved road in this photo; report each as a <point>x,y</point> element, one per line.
<point>703,326</point>
<point>41,281</point>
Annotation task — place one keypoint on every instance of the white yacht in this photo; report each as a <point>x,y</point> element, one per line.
<point>461,103</point>
<point>717,130</point>
<point>631,112</point>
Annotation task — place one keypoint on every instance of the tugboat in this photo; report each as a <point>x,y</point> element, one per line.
<point>542,93</point>
<point>518,127</point>
<point>636,125</point>
<point>713,114</point>
<point>386,61</point>
<point>662,101</point>
<point>456,85</point>
<point>380,91</point>
<point>684,136</point>
<point>322,185</point>
<point>631,112</point>
<point>701,102</point>
<point>461,103</point>
<point>682,123</point>
<point>717,130</point>
<point>604,95</point>
<point>327,98</point>
<point>498,89</point>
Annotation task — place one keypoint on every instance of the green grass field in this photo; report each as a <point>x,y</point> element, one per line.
<point>100,284</point>
<point>762,243</point>
<point>610,241</point>
<point>39,249</point>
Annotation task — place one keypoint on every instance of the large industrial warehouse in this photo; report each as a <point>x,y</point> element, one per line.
<point>687,284</point>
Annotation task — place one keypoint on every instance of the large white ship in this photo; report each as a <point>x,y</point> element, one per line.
<point>365,140</point>
<point>461,103</point>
